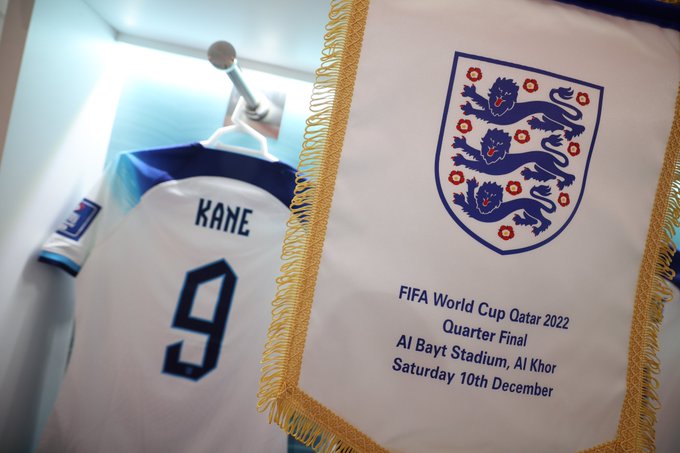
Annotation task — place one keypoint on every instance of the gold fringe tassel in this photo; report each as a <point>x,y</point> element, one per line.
<point>668,201</point>
<point>324,133</point>
<point>636,431</point>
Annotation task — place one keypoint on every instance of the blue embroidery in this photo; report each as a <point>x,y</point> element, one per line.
<point>494,159</point>
<point>501,107</point>
<point>486,205</point>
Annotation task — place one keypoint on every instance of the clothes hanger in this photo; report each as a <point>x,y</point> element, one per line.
<point>239,126</point>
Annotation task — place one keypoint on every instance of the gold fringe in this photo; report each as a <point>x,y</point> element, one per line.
<point>636,431</point>
<point>289,407</point>
<point>638,417</point>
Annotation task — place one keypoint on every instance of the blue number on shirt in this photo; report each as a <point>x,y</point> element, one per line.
<point>213,328</point>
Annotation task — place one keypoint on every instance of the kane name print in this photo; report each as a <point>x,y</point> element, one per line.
<point>223,217</point>
<point>514,151</point>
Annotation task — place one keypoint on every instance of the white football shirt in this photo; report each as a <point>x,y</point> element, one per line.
<point>176,252</point>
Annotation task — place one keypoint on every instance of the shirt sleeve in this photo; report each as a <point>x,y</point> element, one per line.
<point>92,219</point>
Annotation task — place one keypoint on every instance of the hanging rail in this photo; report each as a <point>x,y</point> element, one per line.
<point>222,55</point>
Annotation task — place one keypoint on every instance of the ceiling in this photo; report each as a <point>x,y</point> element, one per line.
<point>285,34</point>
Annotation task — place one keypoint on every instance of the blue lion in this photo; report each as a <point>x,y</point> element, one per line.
<point>502,108</point>
<point>486,205</point>
<point>494,158</point>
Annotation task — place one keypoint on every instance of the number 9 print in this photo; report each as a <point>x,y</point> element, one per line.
<point>214,329</point>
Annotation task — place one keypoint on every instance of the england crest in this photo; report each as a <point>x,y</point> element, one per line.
<point>514,150</point>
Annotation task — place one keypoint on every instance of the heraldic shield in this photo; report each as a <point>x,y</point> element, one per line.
<point>514,150</point>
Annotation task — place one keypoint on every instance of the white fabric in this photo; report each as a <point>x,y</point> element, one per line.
<point>116,396</point>
<point>388,229</point>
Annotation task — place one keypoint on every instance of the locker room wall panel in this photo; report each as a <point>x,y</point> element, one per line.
<point>168,98</point>
<point>56,142</point>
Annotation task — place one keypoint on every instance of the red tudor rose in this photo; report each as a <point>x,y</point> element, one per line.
<point>474,74</point>
<point>574,148</point>
<point>506,232</point>
<point>530,85</point>
<point>464,126</point>
<point>563,199</point>
<point>513,188</point>
<point>582,98</point>
<point>522,136</point>
<point>456,177</point>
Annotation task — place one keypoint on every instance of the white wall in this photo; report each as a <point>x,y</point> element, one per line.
<point>56,144</point>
